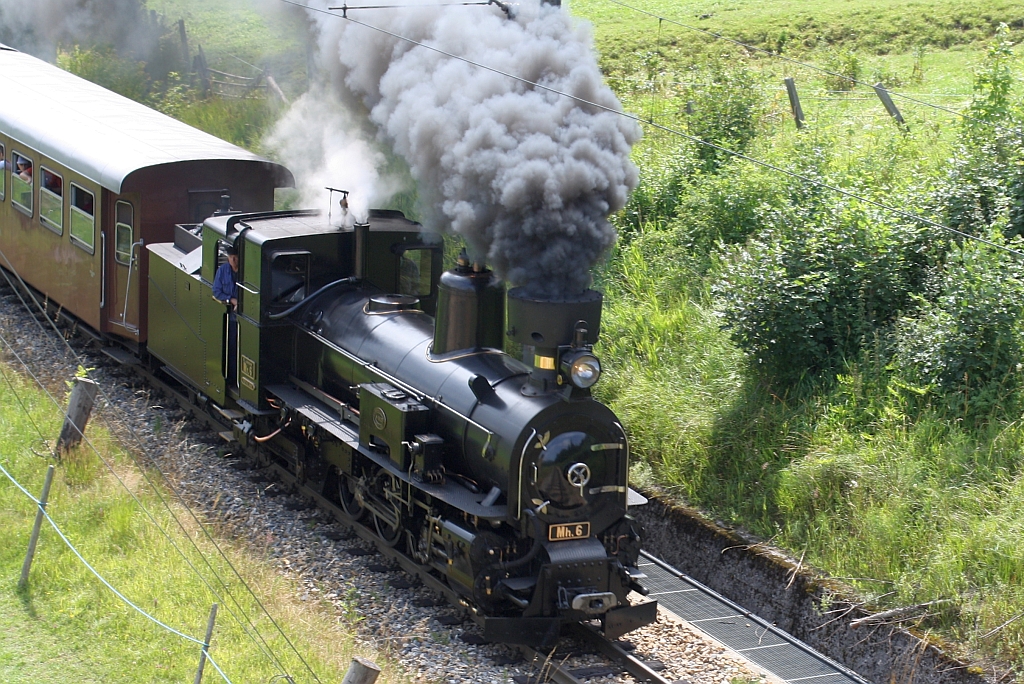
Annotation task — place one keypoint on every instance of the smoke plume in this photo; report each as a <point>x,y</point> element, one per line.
<point>39,26</point>
<point>527,176</point>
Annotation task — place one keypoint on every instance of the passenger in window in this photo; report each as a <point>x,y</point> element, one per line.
<point>3,163</point>
<point>24,169</point>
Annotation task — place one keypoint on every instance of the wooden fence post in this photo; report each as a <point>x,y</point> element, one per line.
<point>794,102</point>
<point>206,644</point>
<point>83,398</point>
<point>186,56</point>
<point>35,529</point>
<point>889,105</point>
<point>361,671</point>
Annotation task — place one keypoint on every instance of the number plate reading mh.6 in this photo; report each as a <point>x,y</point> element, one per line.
<point>567,531</point>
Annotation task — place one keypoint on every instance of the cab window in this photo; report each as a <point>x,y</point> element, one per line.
<point>289,279</point>
<point>51,201</point>
<point>124,228</point>
<point>414,272</point>
<point>83,218</point>
<point>22,182</point>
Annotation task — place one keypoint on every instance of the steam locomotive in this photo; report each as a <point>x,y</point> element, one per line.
<point>376,379</point>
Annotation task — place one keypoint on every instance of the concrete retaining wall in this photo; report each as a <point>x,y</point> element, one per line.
<point>762,580</point>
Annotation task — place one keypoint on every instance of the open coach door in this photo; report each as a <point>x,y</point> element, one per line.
<point>123,258</point>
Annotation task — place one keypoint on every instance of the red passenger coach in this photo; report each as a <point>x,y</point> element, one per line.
<point>88,178</point>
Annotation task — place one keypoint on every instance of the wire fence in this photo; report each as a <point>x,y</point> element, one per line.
<point>40,505</point>
<point>237,613</point>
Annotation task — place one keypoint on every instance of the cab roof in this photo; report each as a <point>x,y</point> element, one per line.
<point>275,225</point>
<point>98,133</point>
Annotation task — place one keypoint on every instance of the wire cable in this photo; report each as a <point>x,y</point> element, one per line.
<point>668,129</point>
<point>103,580</point>
<point>262,643</point>
<point>28,414</point>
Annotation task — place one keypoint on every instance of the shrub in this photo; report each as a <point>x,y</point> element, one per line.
<point>845,67</point>
<point>968,344</point>
<point>728,207</point>
<point>663,180</point>
<point>726,111</point>
<point>984,181</point>
<point>800,299</point>
<point>105,67</point>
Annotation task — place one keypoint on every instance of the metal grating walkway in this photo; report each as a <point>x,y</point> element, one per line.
<point>764,644</point>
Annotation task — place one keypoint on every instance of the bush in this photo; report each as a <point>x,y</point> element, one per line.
<point>799,300</point>
<point>967,345</point>
<point>845,67</point>
<point>105,67</point>
<point>983,185</point>
<point>727,111</point>
<point>663,179</point>
<point>728,207</point>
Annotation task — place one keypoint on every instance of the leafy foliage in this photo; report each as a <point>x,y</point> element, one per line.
<point>984,182</point>
<point>803,296</point>
<point>727,111</point>
<point>102,65</point>
<point>969,343</point>
<point>845,68</point>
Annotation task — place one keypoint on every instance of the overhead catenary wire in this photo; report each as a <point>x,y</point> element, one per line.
<point>668,129</point>
<point>262,643</point>
<point>101,578</point>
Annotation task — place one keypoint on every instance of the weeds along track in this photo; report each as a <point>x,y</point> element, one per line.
<point>382,596</point>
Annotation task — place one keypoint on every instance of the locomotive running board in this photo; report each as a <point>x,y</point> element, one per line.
<point>323,417</point>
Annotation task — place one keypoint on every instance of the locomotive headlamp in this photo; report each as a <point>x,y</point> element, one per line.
<point>583,369</point>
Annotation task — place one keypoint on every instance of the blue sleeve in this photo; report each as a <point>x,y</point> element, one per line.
<point>224,283</point>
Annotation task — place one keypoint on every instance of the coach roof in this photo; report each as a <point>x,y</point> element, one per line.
<point>98,133</point>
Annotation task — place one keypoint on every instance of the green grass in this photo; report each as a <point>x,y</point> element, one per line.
<point>66,626</point>
<point>862,475</point>
<point>870,26</point>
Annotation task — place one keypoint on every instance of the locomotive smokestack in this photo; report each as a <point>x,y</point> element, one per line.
<point>361,240</point>
<point>550,330</point>
<point>470,309</point>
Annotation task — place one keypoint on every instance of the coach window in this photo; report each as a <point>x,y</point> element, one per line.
<point>123,233</point>
<point>3,173</point>
<point>83,219</point>
<point>22,183</point>
<point>51,201</point>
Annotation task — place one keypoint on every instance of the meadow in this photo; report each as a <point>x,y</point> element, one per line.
<point>837,378</point>
<point>831,376</point>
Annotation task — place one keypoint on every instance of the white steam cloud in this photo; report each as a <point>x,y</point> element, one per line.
<point>527,176</point>
<point>325,145</point>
